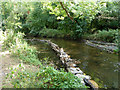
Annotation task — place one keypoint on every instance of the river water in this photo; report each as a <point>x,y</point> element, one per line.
<point>103,67</point>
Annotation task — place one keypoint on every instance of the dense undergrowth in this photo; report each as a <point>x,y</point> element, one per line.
<point>50,19</point>
<point>107,36</point>
<point>46,77</point>
<point>19,47</point>
<point>43,24</point>
<point>51,33</point>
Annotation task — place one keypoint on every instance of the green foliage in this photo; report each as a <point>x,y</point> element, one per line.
<point>110,9</point>
<point>51,33</point>
<point>13,15</point>
<point>51,22</point>
<point>11,38</point>
<point>2,35</point>
<point>103,23</point>
<point>26,53</point>
<point>51,15</point>
<point>46,77</point>
<point>15,42</point>
<point>83,10</point>
<point>66,25</point>
<point>108,14</point>
<point>117,51</point>
<point>104,35</point>
<point>38,19</point>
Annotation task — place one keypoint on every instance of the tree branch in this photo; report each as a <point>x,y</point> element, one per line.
<point>67,11</point>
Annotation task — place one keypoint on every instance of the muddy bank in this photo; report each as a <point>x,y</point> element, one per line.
<point>109,47</point>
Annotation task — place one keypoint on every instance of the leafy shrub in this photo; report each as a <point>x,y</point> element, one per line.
<point>51,33</point>
<point>38,19</point>
<point>11,38</point>
<point>19,47</point>
<point>51,21</point>
<point>108,36</point>
<point>44,78</point>
<point>26,53</point>
<point>2,35</point>
<point>104,23</point>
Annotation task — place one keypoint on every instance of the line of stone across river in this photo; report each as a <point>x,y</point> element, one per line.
<point>69,65</point>
<point>109,47</point>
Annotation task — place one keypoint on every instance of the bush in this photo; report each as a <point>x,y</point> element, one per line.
<point>38,19</point>
<point>2,35</point>
<point>104,35</point>
<point>11,38</point>
<point>44,78</point>
<point>51,33</point>
<point>19,47</point>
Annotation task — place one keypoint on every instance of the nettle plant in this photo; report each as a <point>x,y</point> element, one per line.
<point>46,77</point>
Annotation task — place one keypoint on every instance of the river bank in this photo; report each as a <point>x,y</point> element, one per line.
<point>109,47</point>
<point>8,62</point>
<point>26,54</point>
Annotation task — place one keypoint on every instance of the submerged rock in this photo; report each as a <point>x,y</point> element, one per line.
<point>91,83</point>
<point>74,70</point>
<point>83,76</point>
<point>70,64</point>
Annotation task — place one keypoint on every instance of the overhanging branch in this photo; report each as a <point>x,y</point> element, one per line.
<point>67,11</point>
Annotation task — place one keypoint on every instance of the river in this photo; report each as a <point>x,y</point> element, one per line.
<point>103,67</point>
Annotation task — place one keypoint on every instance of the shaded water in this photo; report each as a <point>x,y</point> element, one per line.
<point>100,65</point>
<point>46,55</point>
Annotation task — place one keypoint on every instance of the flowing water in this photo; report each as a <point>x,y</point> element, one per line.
<point>103,67</point>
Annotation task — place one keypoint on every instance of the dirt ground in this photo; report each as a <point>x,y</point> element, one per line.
<point>6,62</point>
